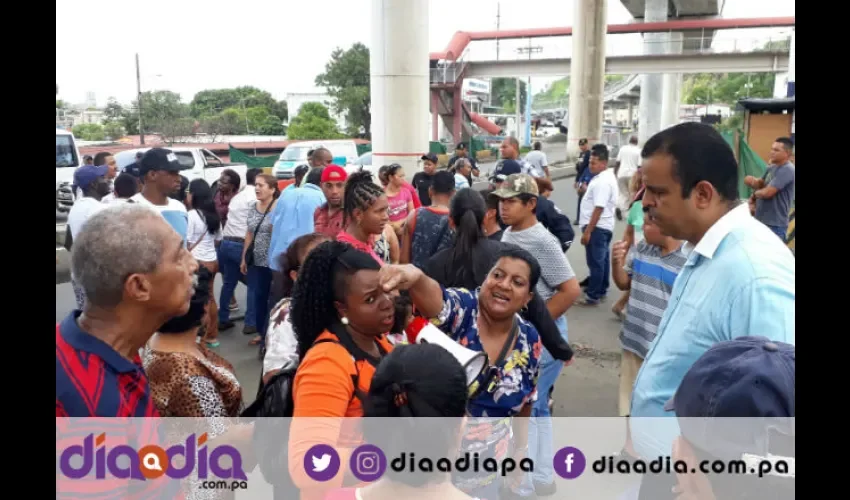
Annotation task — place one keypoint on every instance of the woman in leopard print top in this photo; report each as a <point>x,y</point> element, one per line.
<point>189,380</point>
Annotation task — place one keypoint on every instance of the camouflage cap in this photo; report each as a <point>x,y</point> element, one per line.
<point>517,184</point>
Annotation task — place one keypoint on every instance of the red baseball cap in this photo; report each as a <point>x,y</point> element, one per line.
<point>334,173</point>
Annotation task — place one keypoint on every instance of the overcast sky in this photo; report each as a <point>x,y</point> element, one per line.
<point>281,45</point>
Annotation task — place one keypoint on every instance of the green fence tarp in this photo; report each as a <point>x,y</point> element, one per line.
<point>433,147</point>
<point>436,147</point>
<point>237,156</point>
<point>749,163</point>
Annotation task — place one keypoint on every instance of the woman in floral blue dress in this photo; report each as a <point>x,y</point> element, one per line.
<point>487,320</point>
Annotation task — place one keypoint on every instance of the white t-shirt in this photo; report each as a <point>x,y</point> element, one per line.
<point>537,160</point>
<point>110,199</point>
<point>629,158</point>
<point>601,192</point>
<point>80,212</point>
<point>461,182</point>
<point>174,213</point>
<point>237,212</point>
<point>205,250</point>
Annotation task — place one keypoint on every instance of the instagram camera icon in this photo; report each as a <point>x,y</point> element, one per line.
<point>368,463</point>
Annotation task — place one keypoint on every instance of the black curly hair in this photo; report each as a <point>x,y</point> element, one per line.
<point>291,259</point>
<point>360,192</point>
<point>322,281</point>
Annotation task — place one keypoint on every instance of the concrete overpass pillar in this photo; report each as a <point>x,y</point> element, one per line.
<point>672,85</point>
<point>652,85</point>
<point>399,82</point>
<point>587,73</point>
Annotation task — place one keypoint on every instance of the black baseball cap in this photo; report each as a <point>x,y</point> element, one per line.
<point>159,159</point>
<point>506,168</point>
<point>430,157</point>
<point>461,145</point>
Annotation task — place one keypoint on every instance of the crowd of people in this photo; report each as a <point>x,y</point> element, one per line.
<point>339,266</point>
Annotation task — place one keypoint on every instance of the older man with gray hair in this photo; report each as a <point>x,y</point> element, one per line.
<point>136,274</point>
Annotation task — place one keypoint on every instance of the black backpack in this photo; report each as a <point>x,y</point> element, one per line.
<point>273,408</point>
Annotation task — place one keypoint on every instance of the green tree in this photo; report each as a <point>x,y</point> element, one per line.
<point>560,89</point>
<point>114,111</point>
<point>732,122</point>
<point>257,104</point>
<point>214,101</point>
<point>60,104</point>
<point>163,113</point>
<point>313,121</point>
<point>728,88</point>
<point>113,130</point>
<point>89,132</point>
<point>346,79</point>
<point>503,92</point>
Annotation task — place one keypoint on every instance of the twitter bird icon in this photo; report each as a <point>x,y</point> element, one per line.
<point>321,462</point>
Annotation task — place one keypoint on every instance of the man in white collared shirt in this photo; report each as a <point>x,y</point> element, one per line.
<point>739,279</point>
<point>596,219</point>
<point>230,250</point>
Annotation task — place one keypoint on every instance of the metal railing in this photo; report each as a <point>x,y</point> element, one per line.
<point>447,73</point>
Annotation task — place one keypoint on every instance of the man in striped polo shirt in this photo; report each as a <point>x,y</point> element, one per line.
<point>648,269</point>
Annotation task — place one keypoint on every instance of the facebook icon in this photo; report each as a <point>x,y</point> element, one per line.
<point>569,462</point>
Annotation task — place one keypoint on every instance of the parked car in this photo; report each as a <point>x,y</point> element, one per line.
<point>200,163</point>
<point>344,151</point>
<point>67,161</point>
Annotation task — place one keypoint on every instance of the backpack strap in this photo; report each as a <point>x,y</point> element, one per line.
<point>344,339</point>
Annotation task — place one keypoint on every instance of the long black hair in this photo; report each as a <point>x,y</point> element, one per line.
<point>360,192</point>
<point>202,201</point>
<point>418,380</point>
<point>467,212</point>
<point>291,259</point>
<point>322,281</point>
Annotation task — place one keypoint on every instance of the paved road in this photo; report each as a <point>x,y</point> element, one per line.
<point>587,388</point>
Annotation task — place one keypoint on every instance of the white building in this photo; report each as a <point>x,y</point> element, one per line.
<point>476,93</point>
<point>295,100</point>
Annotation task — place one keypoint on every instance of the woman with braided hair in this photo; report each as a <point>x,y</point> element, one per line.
<point>366,210</point>
<point>340,315</point>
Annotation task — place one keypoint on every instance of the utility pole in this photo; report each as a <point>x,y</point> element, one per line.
<point>139,100</point>
<point>498,19</point>
<point>518,103</point>
<point>529,50</point>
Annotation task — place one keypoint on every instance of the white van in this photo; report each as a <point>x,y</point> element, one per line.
<point>67,162</point>
<point>296,154</point>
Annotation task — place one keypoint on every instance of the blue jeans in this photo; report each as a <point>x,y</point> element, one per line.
<point>781,231</point>
<point>229,258</point>
<point>598,254</point>
<point>259,285</point>
<point>540,441</point>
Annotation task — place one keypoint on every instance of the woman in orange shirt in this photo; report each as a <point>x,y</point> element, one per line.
<point>340,315</point>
